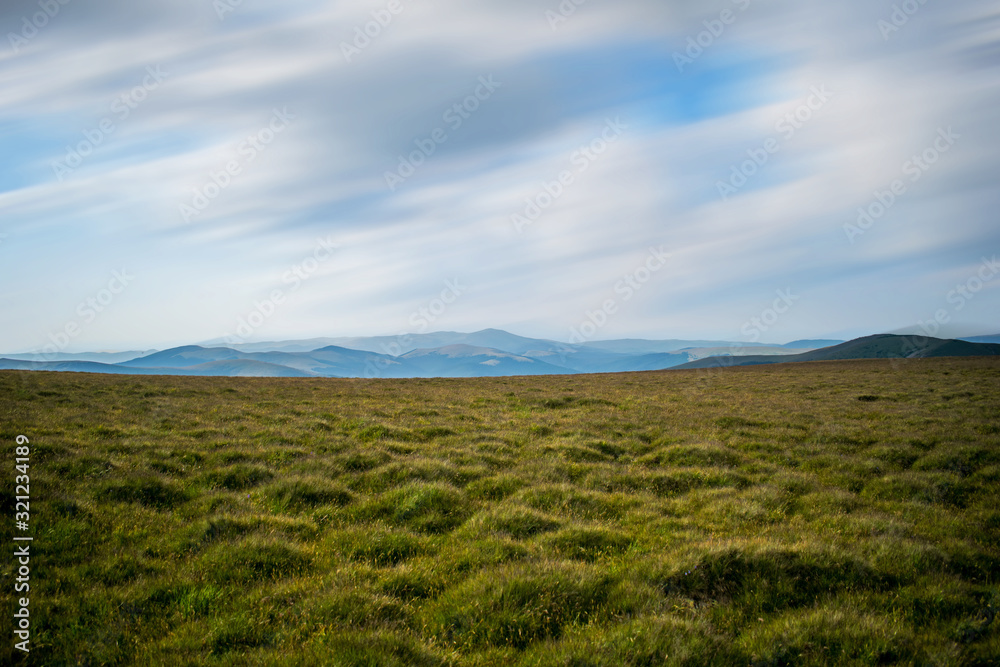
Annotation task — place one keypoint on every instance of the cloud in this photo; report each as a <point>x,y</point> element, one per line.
<point>560,83</point>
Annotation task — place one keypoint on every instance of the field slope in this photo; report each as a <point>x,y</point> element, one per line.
<point>813,513</point>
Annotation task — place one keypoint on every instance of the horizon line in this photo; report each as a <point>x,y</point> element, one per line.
<point>222,343</point>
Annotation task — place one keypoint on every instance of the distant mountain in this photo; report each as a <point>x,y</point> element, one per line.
<point>400,345</point>
<point>810,344</point>
<point>232,368</point>
<point>324,362</point>
<point>637,346</point>
<point>578,358</point>
<point>995,339</point>
<point>183,357</point>
<point>290,346</point>
<point>333,361</point>
<point>883,346</point>
<point>242,368</point>
<point>496,339</point>
<point>330,361</point>
<point>68,367</point>
<point>648,362</point>
<point>100,357</point>
<point>470,361</point>
<point>488,353</point>
<point>590,357</point>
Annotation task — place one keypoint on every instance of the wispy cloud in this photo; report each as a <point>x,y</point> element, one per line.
<point>324,175</point>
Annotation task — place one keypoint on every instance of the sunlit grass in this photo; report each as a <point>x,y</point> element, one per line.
<point>804,514</point>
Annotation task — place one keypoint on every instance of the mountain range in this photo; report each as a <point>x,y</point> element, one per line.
<point>488,353</point>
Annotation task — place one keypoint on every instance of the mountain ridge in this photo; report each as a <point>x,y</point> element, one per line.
<point>462,357</point>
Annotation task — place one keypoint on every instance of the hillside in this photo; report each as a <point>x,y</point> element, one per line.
<point>884,346</point>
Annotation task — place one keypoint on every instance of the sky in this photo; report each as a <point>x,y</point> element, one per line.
<point>181,171</point>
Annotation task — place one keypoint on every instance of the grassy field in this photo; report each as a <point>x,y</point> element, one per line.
<point>841,513</point>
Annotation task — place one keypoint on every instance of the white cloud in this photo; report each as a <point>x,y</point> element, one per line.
<point>657,185</point>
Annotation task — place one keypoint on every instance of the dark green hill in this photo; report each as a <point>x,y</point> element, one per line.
<point>882,346</point>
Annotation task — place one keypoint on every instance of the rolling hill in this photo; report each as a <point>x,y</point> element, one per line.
<point>882,346</point>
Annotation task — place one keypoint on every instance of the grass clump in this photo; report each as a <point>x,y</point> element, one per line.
<point>301,494</point>
<point>513,521</point>
<point>408,583</point>
<point>238,477</point>
<point>768,580</point>
<point>428,508</point>
<point>930,488</point>
<point>359,608</point>
<point>225,528</point>
<point>692,456</point>
<point>378,547</point>
<point>589,544</point>
<point>372,649</point>
<point>517,606</point>
<point>238,633</point>
<point>828,636</point>
<point>255,561</point>
<point>494,488</point>
<point>567,500</point>
<point>147,491</point>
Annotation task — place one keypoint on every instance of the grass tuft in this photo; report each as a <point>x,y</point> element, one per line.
<point>148,491</point>
<point>301,494</point>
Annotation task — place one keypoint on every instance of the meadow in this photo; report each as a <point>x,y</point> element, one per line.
<point>801,514</point>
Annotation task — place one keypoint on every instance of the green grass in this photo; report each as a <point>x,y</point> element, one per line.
<point>809,514</point>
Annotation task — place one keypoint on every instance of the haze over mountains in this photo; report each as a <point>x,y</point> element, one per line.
<point>488,353</point>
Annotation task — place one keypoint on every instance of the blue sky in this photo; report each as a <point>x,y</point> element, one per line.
<point>236,161</point>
